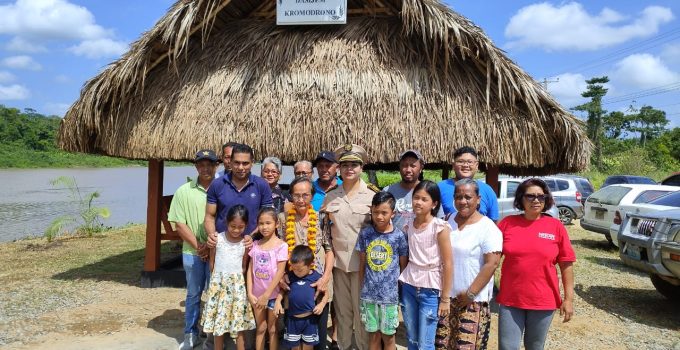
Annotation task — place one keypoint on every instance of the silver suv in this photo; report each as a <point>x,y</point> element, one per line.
<point>568,197</point>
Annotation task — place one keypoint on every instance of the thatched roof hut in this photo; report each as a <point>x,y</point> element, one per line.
<point>400,74</point>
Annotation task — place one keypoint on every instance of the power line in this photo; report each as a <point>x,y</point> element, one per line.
<point>665,37</point>
<point>644,93</point>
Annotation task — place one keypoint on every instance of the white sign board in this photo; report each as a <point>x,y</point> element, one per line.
<point>296,12</point>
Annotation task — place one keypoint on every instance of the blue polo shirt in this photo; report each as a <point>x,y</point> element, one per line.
<point>255,195</point>
<point>489,203</point>
<point>319,194</point>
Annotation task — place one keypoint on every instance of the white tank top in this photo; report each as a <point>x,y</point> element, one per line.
<point>228,256</point>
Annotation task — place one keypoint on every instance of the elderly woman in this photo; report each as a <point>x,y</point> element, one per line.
<point>271,172</point>
<point>533,243</point>
<point>302,226</point>
<point>477,244</point>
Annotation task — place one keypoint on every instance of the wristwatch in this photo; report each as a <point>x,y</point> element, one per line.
<point>470,295</point>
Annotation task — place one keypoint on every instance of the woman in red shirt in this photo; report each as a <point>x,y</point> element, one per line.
<point>533,243</point>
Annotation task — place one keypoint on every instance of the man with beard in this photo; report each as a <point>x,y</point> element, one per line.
<point>411,166</point>
<point>187,211</point>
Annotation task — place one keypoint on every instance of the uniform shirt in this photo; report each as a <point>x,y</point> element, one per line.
<point>301,295</point>
<point>469,246</point>
<point>188,207</point>
<point>381,275</point>
<point>531,250</point>
<point>404,204</point>
<point>348,218</point>
<point>254,195</point>
<point>488,205</point>
<point>319,194</point>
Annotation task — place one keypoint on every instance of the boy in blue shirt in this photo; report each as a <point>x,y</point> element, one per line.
<point>302,321</point>
<point>383,252</point>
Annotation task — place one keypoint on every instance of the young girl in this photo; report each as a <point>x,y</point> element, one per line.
<point>428,273</point>
<point>227,309</point>
<point>268,258</point>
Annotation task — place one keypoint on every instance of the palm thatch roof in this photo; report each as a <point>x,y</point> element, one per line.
<point>400,74</point>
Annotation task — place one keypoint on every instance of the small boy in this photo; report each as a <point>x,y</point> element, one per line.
<point>302,320</point>
<point>383,252</point>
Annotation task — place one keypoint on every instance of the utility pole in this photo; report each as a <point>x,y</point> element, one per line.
<point>545,82</point>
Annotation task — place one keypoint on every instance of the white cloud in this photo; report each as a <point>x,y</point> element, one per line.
<point>34,23</point>
<point>568,89</point>
<point>571,27</point>
<point>62,79</point>
<point>21,62</point>
<point>6,77</point>
<point>13,92</point>
<point>99,48</point>
<point>643,71</point>
<point>671,53</point>
<point>22,45</point>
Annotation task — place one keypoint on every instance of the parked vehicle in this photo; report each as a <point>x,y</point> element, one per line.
<point>628,179</point>
<point>567,197</point>
<point>673,180</point>
<point>651,243</point>
<point>601,206</point>
<point>506,198</point>
<point>582,184</point>
<point>668,201</point>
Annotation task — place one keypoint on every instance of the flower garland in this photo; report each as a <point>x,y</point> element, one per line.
<point>311,230</point>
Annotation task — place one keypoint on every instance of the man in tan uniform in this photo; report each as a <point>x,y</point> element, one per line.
<point>348,207</point>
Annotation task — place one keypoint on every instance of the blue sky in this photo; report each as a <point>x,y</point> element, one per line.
<point>49,48</point>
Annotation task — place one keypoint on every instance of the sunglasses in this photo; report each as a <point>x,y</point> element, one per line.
<point>532,197</point>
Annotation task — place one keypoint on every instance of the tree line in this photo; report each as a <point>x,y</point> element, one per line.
<point>636,140</point>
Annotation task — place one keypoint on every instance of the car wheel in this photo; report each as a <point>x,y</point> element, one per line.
<point>664,287</point>
<point>609,239</point>
<point>566,215</point>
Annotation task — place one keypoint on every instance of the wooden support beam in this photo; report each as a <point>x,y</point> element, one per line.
<point>152,252</point>
<point>492,172</point>
<point>446,172</point>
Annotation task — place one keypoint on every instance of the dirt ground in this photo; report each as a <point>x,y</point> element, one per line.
<point>84,294</point>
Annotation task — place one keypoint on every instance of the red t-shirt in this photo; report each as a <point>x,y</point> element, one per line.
<point>531,250</point>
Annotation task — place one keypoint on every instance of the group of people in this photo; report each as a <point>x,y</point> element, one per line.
<point>338,247</point>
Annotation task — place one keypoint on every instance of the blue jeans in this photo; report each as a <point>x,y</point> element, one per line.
<point>198,275</point>
<point>420,307</point>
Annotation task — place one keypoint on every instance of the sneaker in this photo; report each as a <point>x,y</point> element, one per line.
<point>190,340</point>
<point>209,343</point>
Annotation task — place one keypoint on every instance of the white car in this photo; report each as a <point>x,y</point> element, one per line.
<point>665,202</point>
<point>601,206</point>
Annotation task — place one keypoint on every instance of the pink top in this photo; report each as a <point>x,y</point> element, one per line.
<point>265,266</point>
<point>424,263</point>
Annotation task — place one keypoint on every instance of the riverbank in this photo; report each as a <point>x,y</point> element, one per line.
<point>80,293</point>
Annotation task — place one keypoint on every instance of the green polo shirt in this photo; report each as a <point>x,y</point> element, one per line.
<point>188,207</point>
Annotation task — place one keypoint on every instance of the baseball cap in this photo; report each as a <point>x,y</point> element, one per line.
<point>414,153</point>
<point>205,154</point>
<point>325,155</point>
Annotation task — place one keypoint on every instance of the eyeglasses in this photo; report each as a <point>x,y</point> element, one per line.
<point>465,162</point>
<point>304,196</point>
<point>532,197</point>
<point>303,173</point>
<point>270,171</point>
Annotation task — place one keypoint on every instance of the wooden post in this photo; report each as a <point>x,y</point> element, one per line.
<point>492,178</point>
<point>446,172</point>
<point>152,253</point>
<point>373,177</point>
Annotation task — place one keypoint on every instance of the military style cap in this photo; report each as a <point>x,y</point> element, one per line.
<point>413,153</point>
<point>206,154</point>
<point>351,153</point>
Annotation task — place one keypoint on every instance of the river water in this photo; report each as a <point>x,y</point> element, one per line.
<point>28,203</point>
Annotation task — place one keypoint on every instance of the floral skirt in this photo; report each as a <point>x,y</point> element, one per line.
<point>227,309</point>
<point>464,328</point>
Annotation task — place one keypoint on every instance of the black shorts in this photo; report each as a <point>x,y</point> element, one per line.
<point>301,330</point>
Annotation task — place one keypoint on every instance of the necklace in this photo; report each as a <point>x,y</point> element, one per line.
<point>311,230</point>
